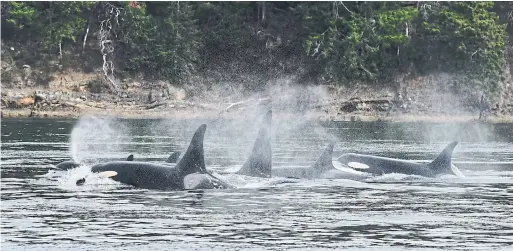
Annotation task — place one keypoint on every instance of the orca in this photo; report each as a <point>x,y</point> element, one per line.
<point>173,158</point>
<point>322,168</point>
<point>259,162</point>
<point>381,165</point>
<point>189,173</point>
<point>70,164</point>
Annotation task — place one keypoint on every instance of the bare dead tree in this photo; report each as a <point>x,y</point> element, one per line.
<point>106,35</point>
<point>85,36</point>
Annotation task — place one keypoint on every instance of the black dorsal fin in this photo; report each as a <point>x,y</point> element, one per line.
<point>442,163</point>
<point>260,160</point>
<point>130,157</point>
<point>325,163</point>
<point>193,160</point>
<point>173,158</point>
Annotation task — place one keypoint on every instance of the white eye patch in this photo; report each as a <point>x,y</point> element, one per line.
<point>358,165</point>
<point>107,174</point>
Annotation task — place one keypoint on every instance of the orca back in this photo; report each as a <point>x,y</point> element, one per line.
<point>443,163</point>
<point>193,161</point>
<point>173,158</point>
<point>325,163</point>
<point>260,160</point>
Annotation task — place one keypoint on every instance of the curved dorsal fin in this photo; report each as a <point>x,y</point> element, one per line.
<point>193,160</point>
<point>130,157</point>
<point>173,158</point>
<point>442,163</point>
<point>260,160</point>
<point>324,163</point>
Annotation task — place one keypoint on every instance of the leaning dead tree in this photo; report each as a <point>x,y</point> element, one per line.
<point>106,40</point>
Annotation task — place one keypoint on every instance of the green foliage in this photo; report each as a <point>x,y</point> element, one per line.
<point>49,23</point>
<point>161,43</point>
<point>378,41</point>
<point>334,41</point>
<point>466,38</point>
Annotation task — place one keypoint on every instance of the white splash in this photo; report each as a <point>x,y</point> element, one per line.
<point>68,180</point>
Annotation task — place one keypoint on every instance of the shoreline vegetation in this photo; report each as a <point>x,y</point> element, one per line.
<point>327,61</point>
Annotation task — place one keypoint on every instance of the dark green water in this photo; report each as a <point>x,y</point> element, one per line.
<point>44,210</point>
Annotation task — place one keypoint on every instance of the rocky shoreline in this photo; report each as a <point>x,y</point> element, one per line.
<point>139,105</point>
<point>427,99</point>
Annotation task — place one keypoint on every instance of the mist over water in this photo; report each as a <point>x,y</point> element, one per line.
<point>94,135</point>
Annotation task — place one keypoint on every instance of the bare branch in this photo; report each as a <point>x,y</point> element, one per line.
<point>85,37</point>
<point>342,3</point>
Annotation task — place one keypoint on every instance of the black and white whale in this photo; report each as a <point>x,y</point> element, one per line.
<point>173,158</point>
<point>323,168</point>
<point>259,162</point>
<point>381,165</point>
<point>70,164</point>
<point>257,165</point>
<point>67,165</point>
<point>189,173</point>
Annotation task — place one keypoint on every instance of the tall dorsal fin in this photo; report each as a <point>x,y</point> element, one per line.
<point>324,163</point>
<point>260,160</point>
<point>442,163</point>
<point>130,157</point>
<point>173,158</point>
<point>193,160</point>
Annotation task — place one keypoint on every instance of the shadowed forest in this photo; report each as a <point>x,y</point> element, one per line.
<point>319,43</point>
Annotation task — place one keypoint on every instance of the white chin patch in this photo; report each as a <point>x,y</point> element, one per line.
<point>107,174</point>
<point>195,180</point>
<point>456,171</point>
<point>357,165</point>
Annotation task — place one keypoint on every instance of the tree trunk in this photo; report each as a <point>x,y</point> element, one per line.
<point>85,37</point>
<point>263,13</point>
<point>60,49</point>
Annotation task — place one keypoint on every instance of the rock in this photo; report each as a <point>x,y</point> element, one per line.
<point>349,107</point>
<point>176,93</point>
<point>84,98</point>
<point>151,97</point>
<point>153,106</point>
<point>25,102</point>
